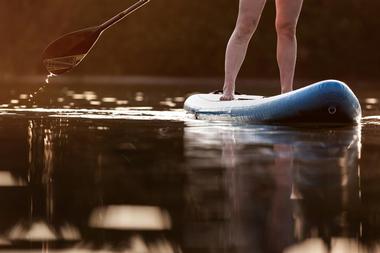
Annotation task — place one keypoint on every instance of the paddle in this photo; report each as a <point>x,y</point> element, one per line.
<point>68,51</point>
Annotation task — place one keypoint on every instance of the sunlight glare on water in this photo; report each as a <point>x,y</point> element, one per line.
<point>148,218</point>
<point>371,120</point>
<point>130,113</point>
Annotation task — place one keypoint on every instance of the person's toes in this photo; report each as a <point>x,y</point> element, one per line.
<point>226,98</point>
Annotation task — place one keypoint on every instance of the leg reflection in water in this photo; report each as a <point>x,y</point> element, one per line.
<point>263,188</point>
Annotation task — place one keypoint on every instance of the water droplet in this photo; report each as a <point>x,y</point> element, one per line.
<point>47,78</point>
<point>32,96</point>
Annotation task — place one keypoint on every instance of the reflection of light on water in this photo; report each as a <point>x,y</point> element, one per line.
<point>136,244</point>
<point>371,101</point>
<point>109,99</point>
<point>338,245</point>
<point>141,108</point>
<point>122,102</point>
<point>78,96</point>
<point>7,180</point>
<point>23,96</point>
<point>139,97</point>
<point>371,120</point>
<point>162,246</point>
<point>70,93</point>
<point>40,231</point>
<point>168,102</point>
<point>130,113</point>
<point>70,233</point>
<point>99,128</point>
<point>312,245</point>
<point>89,93</point>
<point>179,99</point>
<point>90,97</point>
<point>95,103</point>
<point>130,218</point>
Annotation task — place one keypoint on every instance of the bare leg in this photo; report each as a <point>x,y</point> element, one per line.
<point>248,18</point>
<point>288,12</point>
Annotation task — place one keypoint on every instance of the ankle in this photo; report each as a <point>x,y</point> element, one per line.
<point>285,91</point>
<point>229,89</point>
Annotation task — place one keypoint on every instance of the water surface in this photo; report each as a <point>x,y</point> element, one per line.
<point>123,169</point>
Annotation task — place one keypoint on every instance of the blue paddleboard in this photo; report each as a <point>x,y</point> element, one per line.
<point>325,102</point>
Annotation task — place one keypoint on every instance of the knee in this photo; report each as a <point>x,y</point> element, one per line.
<point>286,28</point>
<point>244,29</point>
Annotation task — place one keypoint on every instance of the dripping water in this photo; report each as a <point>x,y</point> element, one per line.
<point>33,95</point>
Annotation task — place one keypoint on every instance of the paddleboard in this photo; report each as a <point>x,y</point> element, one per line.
<point>325,102</point>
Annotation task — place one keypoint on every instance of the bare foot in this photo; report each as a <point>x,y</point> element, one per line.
<point>283,91</point>
<point>227,97</point>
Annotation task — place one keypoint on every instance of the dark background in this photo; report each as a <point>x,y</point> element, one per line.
<point>337,39</point>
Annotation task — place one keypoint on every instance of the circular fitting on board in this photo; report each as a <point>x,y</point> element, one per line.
<point>332,110</point>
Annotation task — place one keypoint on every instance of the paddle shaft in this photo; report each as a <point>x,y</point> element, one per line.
<point>123,14</point>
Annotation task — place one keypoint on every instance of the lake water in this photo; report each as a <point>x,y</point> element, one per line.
<point>122,169</point>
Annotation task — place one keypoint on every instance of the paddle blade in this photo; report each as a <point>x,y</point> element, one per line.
<point>68,51</point>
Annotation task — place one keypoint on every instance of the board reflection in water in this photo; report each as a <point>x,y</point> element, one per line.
<point>272,189</point>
